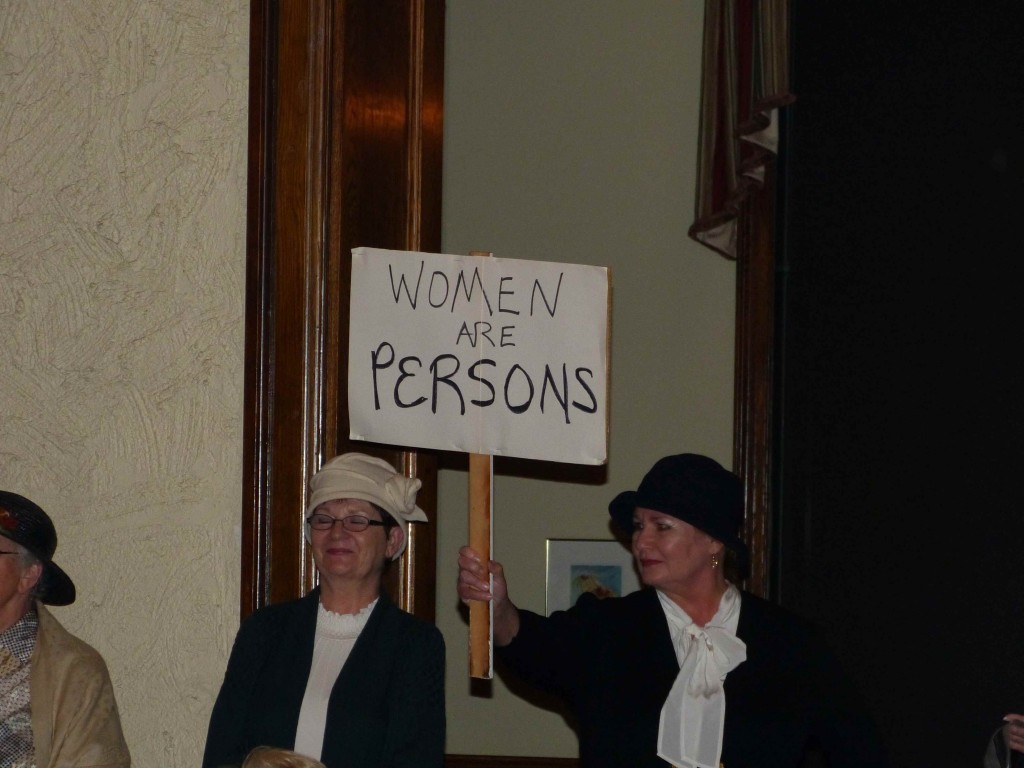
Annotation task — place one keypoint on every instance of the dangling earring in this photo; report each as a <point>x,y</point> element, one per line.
<point>714,560</point>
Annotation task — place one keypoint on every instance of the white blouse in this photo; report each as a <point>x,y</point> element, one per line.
<point>693,715</point>
<point>336,634</point>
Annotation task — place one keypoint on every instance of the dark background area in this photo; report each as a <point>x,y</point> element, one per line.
<point>900,523</point>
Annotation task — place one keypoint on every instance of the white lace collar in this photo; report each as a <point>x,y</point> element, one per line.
<point>342,625</point>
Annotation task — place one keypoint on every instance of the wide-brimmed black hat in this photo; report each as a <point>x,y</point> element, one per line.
<point>695,489</point>
<point>23,522</point>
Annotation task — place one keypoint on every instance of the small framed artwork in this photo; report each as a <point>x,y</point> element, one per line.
<point>575,566</point>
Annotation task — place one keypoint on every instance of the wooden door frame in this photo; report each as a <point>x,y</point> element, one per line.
<point>754,390</point>
<point>315,157</point>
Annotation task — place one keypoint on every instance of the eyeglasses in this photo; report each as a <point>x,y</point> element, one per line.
<point>353,523</point>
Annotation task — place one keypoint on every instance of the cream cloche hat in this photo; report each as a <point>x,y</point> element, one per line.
<point>358,476</point>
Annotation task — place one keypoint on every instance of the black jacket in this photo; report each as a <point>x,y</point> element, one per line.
<point>387,706</point>
<point>613,663</point>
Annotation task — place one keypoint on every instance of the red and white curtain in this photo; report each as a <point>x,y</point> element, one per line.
<point>745,82</point>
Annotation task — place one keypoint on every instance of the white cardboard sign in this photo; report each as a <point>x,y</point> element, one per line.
<point>476,354</point>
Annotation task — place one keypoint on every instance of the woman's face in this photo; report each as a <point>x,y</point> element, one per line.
<point>352,555</point>
<point>671,554</point>
<point>16,583</point>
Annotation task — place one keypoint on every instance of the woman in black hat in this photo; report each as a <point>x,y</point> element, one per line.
<point>57,704</point>
<point>690,671</point>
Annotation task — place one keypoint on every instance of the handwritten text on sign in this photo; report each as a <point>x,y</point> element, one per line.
<point>479,355</point>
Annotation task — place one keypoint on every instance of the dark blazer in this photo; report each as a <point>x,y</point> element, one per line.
<point>386,709</point>
<point>613,663</point>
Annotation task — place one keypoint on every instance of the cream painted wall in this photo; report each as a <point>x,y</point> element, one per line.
<point>122,283</point>
<point>570,135</point>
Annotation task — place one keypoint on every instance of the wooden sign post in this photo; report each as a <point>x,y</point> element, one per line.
<point>481,476</point>
<point>481,651</point>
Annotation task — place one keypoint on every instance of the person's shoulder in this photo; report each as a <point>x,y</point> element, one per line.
<point>405,622</point>
<point>590,605</point>
<point>267,624</point>
<point>273,628</point>
<point>278,612</point>
<point>57,639</point>
<point>766,611</point>
<point>767,619</point>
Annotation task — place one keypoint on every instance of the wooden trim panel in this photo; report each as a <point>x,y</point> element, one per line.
<point>755,339</point>
<point>344,151</point>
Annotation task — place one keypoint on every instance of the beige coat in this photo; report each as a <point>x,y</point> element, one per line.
<point>74,715</point>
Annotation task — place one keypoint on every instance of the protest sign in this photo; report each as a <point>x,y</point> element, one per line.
<point>482,355</point>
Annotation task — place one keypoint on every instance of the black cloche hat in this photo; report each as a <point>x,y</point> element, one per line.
<point>23,522</point>
<point>695,489</point>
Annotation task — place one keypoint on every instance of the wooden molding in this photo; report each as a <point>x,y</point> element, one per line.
<point>344,151</point>
<point>755,339</point>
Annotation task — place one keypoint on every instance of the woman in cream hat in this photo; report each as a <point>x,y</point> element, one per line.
<point>342,675</point>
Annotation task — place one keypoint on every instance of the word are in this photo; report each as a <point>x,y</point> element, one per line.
<point>482,331</point>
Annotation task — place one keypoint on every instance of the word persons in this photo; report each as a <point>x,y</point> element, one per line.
<point>410,384</point>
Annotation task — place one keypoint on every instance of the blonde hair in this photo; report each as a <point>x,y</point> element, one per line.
<point>273,757</point>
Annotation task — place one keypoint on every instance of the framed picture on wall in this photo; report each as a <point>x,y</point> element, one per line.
<point>575,566</point>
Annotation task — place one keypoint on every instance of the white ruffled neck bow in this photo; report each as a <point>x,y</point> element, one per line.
<point>693,716</point>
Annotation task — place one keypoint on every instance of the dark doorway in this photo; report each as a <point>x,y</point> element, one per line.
<point>900,518</point>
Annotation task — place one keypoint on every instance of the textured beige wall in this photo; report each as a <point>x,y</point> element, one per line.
<point>570,135</point>
<point>122,210</point>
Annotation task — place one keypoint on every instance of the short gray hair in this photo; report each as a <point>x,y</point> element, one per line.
<point>26,559</point>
